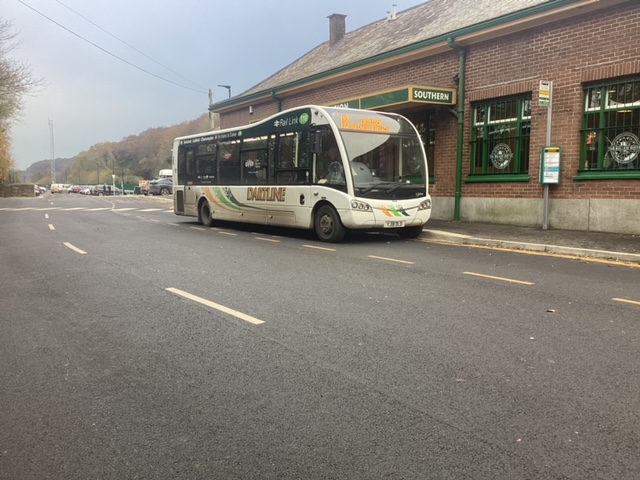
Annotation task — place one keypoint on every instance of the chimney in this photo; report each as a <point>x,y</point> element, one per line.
<point>393,14</point>
<point>337,27</point>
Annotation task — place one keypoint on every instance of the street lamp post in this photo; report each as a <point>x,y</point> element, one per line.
<point>228,87</point>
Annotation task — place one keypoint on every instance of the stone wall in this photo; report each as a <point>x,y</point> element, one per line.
<point>17,190</point>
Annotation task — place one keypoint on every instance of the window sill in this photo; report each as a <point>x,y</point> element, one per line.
<point>586,176</point>
<point>523,177</point>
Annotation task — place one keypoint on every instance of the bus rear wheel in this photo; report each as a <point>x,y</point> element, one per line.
<point>327,225</point>
<point>204,214</point>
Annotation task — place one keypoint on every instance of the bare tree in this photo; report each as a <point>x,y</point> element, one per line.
<point>16,81</point>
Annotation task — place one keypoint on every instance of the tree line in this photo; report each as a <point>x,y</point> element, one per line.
<point>133,158</point>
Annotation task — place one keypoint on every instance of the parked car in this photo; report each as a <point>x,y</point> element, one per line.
<point>161,186</point>
<point>101,190</point>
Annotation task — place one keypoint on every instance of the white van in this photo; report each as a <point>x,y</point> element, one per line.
<point>55,187</point>
<point>60,188</point>
<point>166,173</point>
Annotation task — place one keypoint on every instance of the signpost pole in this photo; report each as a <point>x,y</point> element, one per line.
<point>546,100</point>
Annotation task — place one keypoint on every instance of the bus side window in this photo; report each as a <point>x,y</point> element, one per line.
<point>272,157</point>
<point>206,169</point>
<point>254,167</point>
<point>286,151</point>
<point>304,150</point>
<point>229,163</point>
<point>285,158</point>
<point>182,162</point>
<point>190,163</point>
<point>253,160</point>
<point>293,158</point>
<point>206,163</point>
<point>186,167</point>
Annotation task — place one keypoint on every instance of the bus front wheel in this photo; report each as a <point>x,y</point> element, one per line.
<point>410,232</point>
<point>204,214</point>
<point>327,225</point>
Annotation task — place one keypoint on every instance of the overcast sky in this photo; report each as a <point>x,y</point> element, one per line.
<point>91,96</point>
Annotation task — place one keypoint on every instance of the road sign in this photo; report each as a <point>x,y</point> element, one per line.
<point>544,92</point>
<point>550,165</point>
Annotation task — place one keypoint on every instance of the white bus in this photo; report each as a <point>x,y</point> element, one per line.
<point>321,168</point>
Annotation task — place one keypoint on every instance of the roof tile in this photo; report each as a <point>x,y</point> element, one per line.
<point>422,22</point>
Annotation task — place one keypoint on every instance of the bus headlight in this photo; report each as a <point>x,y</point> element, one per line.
<point>426,205</point>
<point>360,206</point>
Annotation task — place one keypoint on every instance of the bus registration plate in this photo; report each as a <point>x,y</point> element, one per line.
<point>393,224</point>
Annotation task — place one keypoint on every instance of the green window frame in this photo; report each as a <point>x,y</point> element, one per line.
<point>501,138</point>
<point>609,137</point>
<point>424,122</point>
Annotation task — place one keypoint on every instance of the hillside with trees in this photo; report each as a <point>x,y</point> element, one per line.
<point>134,158</point>
<point>131,159</point>
<point>42,170</point>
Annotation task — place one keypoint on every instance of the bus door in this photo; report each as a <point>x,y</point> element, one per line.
<point>291,196</point>
<point>187,179</point>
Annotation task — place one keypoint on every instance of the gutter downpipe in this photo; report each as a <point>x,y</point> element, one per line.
<point>277,99</point>
<point>459,112</point>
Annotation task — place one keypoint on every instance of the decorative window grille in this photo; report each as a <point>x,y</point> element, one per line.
<point>500,136</point>
<point>611,127</point>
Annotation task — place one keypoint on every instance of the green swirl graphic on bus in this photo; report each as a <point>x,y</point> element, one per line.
<point>394,211</point>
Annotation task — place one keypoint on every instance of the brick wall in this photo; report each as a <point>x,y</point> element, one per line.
<point>571,52</point>
<point>597,46</point>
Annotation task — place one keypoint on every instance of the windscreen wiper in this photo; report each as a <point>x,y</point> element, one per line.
<point>371,187</point>
<point>396,187</point>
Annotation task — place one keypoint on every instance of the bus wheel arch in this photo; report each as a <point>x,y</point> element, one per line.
<point>327,223</point>
<point>204,212</point>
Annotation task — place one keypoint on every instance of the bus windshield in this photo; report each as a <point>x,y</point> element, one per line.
<point>386,165</point>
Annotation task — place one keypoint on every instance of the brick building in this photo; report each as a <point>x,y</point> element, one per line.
<point>475,77</point>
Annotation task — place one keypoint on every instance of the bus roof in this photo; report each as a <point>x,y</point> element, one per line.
<point>363,120</point>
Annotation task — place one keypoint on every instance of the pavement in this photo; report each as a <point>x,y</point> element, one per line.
<point>601,245</point>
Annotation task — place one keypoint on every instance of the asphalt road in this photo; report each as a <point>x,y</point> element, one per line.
<point>137,344</point>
